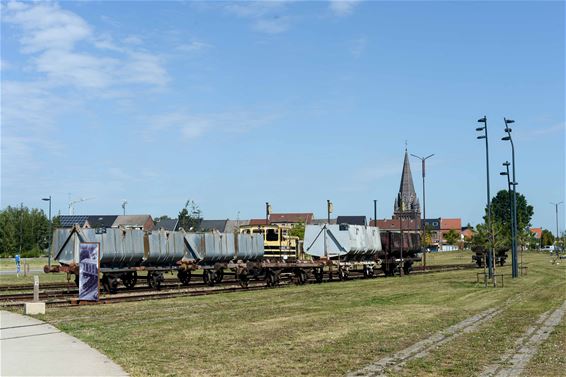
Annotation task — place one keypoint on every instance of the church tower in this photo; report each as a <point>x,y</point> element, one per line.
<point>407,205</point>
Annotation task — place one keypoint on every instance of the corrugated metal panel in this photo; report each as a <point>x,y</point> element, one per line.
<point>165,248</point>
<point>211,247</point>
<point>347,241</point>
<point>250,247</point>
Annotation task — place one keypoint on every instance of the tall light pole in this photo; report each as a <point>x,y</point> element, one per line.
<point>50,230</point>
<point>423,164</point>
<point>491,259</point>
<point>556,211</point>
<point>511,207</point>
<point>514,270</point>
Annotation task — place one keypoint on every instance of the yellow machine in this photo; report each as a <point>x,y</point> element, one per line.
<point>277,242</point>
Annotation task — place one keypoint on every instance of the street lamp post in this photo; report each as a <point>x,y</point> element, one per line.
<point>423,164</point>
<point>50,231</point>
<point>491,264</point>
<point>511,207</point>
<point>514,271</point>
<point>556,212</point>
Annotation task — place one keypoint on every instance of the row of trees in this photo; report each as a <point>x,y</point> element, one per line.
<point>23,231</point>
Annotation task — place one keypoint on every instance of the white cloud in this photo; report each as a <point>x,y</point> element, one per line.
<point>192,126</point>
<point>343,7</point>
<point>266,16</point>
<point>193,46</point>
<point>68,51</point>
<point>271,25</point>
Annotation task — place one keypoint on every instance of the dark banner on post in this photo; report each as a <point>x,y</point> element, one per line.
<point>88,271</point>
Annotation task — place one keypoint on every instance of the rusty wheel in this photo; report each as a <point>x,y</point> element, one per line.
<point>130,279</point>
<point>184,276</point>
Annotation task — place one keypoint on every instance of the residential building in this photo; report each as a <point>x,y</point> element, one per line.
<point>144,222</point>
<point>290,218</point>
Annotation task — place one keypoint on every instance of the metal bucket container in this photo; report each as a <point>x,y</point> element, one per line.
<point>118,247</point>
<point>250,247</point>
<point>211,247</point>
<point>165,248</point>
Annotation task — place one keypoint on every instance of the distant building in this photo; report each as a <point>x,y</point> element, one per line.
<point>352,220</point>
<point>210,225</point>
<point>467,232</point>
<point>407,205</point>
<point>322,221</point>
<point>87,221</point>
<point>167,224</point>
<point>258,222</point>
<point>537,232</point>
<point>290,218</point>
<point>144,222</point>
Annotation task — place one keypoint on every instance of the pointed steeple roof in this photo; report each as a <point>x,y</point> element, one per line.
<point>407,204</point>
<point>406,186</point>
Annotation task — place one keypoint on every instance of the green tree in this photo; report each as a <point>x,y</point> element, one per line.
<point>547,238</point>
<point>298,230</point>
<point>501,212</point>
<point>190,216</point>
<point>451,237</point>
<point>23,231</point>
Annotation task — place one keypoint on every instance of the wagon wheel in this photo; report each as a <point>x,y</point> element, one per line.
<point>184,276</point>
<point>130,279</point>
<point>219,275</point>
<point>153,280</point>
<point>109,283</point>
<point>270,279</point>
<point>318,275</point>
<point>301,276</point>
<point>208,277</point>
<point>244,280</point>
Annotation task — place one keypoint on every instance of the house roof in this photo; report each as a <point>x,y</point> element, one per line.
<point>352,220</point>
<point>233,225</point>
<point>68,221</point>
<point>101,221</point>
<point>167,224</point>
<point>257,222</point>
<point>206,225</point>
<point>131,220</point>
<point>291,218</point>
<point>537,232</point>
<point>322,221</point>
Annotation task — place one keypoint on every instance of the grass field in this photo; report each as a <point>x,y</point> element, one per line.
<point>326,329</point>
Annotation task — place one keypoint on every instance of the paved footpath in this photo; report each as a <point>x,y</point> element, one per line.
<point>30,347</point>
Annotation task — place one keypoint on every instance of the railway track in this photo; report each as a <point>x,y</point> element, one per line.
<point>171,288</point>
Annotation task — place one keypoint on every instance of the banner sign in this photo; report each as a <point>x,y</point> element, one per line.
<point>88,271</point>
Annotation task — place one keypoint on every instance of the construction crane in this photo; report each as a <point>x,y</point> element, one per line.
<point>73,202</point>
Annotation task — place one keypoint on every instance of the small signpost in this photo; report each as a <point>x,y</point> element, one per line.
<point>35,288</point>
<point>89,265</point>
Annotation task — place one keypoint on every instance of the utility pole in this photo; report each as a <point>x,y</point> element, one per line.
<point>556,212</point>
<point>50,231</point>
<point>423,225</point>
<point>514,269</point>
<point>491,263</point>
<point>21,226</point>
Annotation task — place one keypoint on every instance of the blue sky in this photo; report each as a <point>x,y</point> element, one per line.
<point>235,104</point>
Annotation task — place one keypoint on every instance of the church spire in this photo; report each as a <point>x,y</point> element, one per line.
<point>407,204</point>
